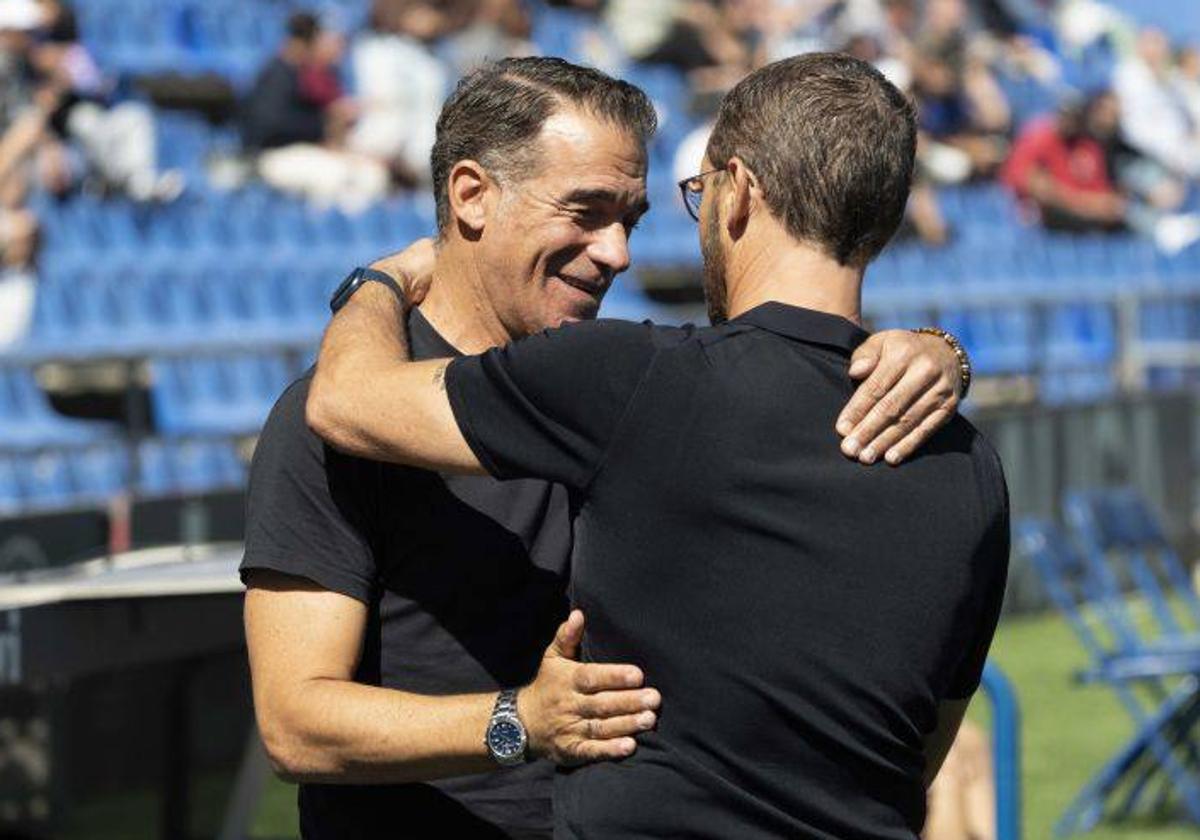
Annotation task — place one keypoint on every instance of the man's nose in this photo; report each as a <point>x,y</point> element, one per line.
<point>610,248</point>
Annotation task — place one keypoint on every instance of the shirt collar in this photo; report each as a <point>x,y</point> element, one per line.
<point>806,325</point>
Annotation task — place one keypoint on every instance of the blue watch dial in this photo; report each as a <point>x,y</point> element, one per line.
<point>506,739</point>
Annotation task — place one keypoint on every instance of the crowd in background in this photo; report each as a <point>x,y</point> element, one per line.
<point>1118,150</point>
<point>348,117</point>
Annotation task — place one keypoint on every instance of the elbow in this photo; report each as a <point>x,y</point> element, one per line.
<point>318,413</point>
<point>289,754</point>
<point>324,417</point>
<point>283,753</point>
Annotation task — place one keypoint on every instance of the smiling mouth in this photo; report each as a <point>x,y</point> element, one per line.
<point>593,289</point>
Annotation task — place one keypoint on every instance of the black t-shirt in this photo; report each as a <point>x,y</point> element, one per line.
<point>801,614</point>
<point>465,578</point>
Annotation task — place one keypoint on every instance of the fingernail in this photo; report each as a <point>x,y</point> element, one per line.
<point>645,720</point>
<point>628,746</point>
<point>851,446</point>
<point>844,427</point>
<point>867,456</point>
<point>893,457</point>
<point>633,678</point>
<point>649,699</point>
<point>858,366</point>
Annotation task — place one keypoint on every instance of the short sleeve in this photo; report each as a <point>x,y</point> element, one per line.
<point>548,406</point>
<point>992,561</point>
<point>309,508</point>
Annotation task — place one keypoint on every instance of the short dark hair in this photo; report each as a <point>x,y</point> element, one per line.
<point>303,26</point>
<point>497,110</point>
<point>832,143</point>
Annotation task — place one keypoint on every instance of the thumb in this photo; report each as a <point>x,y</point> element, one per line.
<point>567,639</point>
<point>864,360</point>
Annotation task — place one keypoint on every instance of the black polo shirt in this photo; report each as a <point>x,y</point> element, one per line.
<point>802,614</point>
<point>465,578</point>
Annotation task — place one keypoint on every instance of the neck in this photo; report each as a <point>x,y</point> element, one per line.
<point>456,305</point>
<point>795,274</point>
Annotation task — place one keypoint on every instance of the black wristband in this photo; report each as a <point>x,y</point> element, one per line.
<point>354,281</point>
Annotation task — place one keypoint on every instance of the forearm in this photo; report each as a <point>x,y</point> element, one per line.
<point>369,400</point>
<point>341,732</point>
<point>20,139</point>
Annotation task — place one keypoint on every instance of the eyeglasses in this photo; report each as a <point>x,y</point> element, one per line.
<point>692,190</point>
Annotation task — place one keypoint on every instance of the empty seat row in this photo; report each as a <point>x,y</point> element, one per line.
<point>226,395</point>
<point>250,220</point>
<point>132,309</point>
<point>90,475</point>
<point>28,420</point>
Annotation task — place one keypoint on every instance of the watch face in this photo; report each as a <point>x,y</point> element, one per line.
<point>506,738</point>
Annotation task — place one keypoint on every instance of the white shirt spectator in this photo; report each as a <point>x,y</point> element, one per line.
<point>400,86</point>
<point>1154,118</point>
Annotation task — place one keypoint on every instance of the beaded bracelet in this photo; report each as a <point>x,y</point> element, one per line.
<point>964,361</point>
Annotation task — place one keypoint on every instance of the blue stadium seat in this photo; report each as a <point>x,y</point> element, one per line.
<point>46,479</point>
<point>155,475</point>
<point>99,472</point>
<point>228,394</point>
<point>1080,335</point>
<point>11,495</point>
<point>28,421</point>
<point>1000,339</point>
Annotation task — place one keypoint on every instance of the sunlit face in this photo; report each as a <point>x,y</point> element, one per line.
<point>556,240</point>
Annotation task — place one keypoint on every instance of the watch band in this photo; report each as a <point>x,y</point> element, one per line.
<point>355,280</point>
<point>506,703</point>
<point>964,360</point>
<point>385,279</point>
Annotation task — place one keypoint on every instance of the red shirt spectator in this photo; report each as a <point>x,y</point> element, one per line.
<point>1074,164</point>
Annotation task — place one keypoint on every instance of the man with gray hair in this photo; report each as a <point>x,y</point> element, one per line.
<point>393,611</point>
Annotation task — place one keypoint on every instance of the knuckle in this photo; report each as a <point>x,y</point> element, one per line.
<point>889,408</point>
<point>877,392</point>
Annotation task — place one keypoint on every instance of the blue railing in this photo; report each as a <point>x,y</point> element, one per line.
<point>1006,748</point>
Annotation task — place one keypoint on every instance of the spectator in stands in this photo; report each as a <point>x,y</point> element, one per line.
<point>1187,82</point>
<point>964,115</point>
<point>19,231</point>
<point>686,34</point>
<point>25,113</point>
<point>1154,116</point>
<point>1142,178</point>
<point>400,86</point>
<point>296,121</point>
<point>1060,167</point>
<point>116,142</point>
<point>19,240</point>
<point>1061,171</point>
<point>490,30</point>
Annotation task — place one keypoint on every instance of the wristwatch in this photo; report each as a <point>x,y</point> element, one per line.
<point>354,281</point>
<point>506,739</point>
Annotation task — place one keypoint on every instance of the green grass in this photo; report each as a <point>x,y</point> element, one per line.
<point>1068,731</point>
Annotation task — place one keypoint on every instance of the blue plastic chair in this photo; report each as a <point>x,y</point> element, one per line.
<point>1116,526</point>
<point>1162,752</point>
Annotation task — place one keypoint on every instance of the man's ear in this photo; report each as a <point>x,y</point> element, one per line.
<point>738,198</point>
<point>470,188</point>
